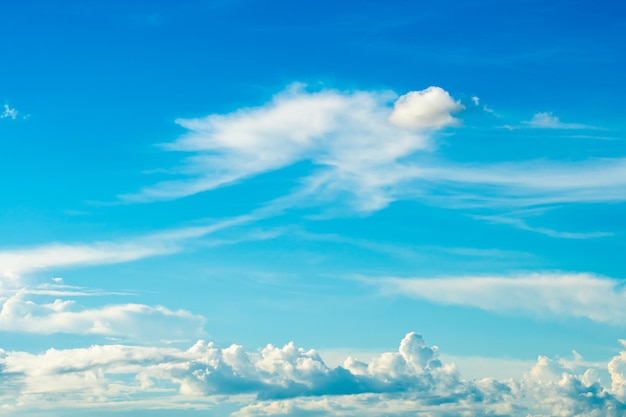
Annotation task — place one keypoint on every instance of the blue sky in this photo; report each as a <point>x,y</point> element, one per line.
<point>255,208</point>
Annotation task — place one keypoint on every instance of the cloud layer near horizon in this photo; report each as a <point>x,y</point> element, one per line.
<point>296,382</point>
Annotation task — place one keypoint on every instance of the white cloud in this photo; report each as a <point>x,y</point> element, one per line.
<point>19,313</point>
<point>366,154</point>
<point>431,108</point>
<point>106,374</point>
<point>15,262</point>
<point>8,113</point>
<point>523,225</point>
<point>550,294</point>
<point>355,141</point>
<point>546,120</point>
<point>524,184</point>
<point>296,382</point>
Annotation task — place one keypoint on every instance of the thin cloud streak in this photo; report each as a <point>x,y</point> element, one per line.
<point>546,295</point>
<point>16,262</point>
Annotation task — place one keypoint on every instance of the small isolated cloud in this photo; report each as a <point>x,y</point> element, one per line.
<point>292,381</point>
<point>367,149</point>
<point>547,295</point>
<point>546,120</point>
<point>431,108</point>
<point>8,113</point>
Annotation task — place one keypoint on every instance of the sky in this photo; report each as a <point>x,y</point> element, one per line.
<point>274,208</point>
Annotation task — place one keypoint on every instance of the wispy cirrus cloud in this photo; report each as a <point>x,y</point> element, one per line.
<point>522,224</point>
<point>576,295</point>
<point>525,183</point>
<point>368,149</point>
<point>355,140</point>
<point>15,262</point>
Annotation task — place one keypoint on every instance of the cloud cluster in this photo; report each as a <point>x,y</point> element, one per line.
<point>205,369</point>
<point>296,382</point>
<point>549,294</point>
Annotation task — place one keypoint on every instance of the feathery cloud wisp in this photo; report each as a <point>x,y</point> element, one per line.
<point>354,140</point>
<point>550,294</point>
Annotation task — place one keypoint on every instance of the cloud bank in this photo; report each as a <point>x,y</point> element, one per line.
<point>296,382</point>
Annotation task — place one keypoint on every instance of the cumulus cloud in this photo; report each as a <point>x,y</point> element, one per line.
<point>354,140</point>
<point>431,108</point>
<point>550,294</point>
<point>294,381</point>
<point>206,369</point>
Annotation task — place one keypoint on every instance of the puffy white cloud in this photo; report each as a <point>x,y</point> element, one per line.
<point>296,382</point>
<point>103,373</point>
<point>550,294</point>
<point>431,108</point>
<point>617,369</point>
